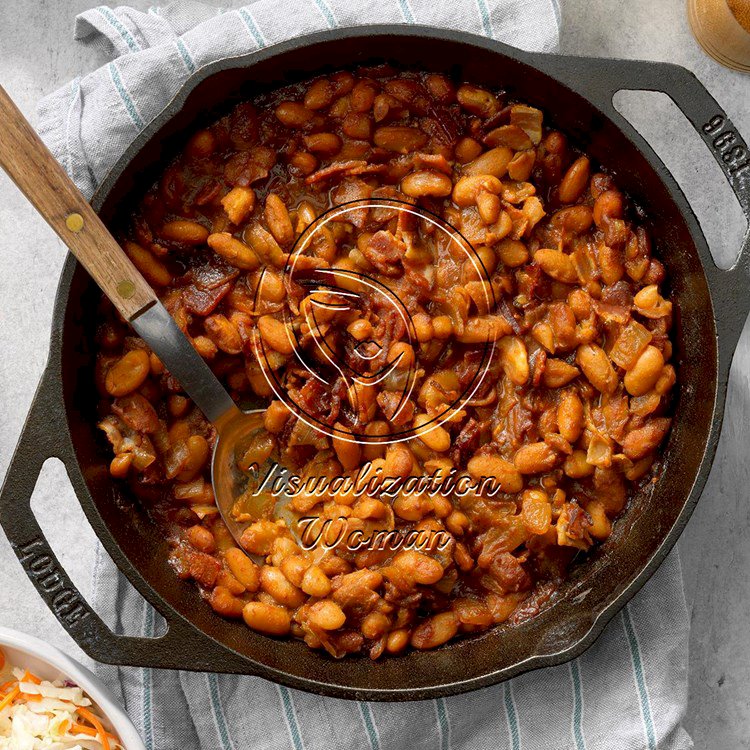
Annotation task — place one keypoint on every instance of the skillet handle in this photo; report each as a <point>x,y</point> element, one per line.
<point>44,436</point>
<point>601,79</point>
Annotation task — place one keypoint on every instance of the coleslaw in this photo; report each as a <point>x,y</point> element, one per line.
<point>36,714</point>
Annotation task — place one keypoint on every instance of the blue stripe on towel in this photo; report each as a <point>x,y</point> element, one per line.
<point>148,684</point>
<point>484,12</point>
<point>406,11</point>
<point>372,732</point>
<point>187,58</point>
<point>252,27</point>
<point>220,720</point>
<point>575,676</point>
<point>291,717</point>
<point>327,13</point>
<point>125,96</point>
<point>640,679</point>
<point>512,716</point>
<point>443,724</point>
<point>115,23</point>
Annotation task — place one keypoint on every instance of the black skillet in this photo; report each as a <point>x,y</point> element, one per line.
<point>711,306</point>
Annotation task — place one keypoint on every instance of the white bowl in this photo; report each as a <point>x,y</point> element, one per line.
<point>26,652</point>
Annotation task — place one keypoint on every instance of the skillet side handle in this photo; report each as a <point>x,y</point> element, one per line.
<point>180,647</point>
<point>601,79</point>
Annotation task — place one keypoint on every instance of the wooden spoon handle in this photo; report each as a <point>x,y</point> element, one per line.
<point>44,182</point>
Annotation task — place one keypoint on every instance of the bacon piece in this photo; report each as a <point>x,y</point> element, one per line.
<point>204,301</point>
<point>348,168</point>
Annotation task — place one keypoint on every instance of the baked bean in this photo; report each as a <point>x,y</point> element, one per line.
<point>432,435</point>
<point>357,125</point>
<point>489,207</point>
<point>575,219</point>
<point>293,114</point>
<point>435,632</point>
<point>303,162</point>
<point>201,145</point>
<point>398,461</point>
<point>243,568</point>
<point>493,162</point>
<point>259,536</point>
<point>128,373</point>
<point>643,440</point>
<point>556,264</point>
<point>477,101</point>
<point>594,362</point>
<point>467,149</point>
<point>558,373</point>
<point>223,333</point>
<point>397,640</point>
<point>420,568</point>
<point>184,231</point>
<point>513,253</point>
<point>325,144</point>
<point>666,380</point>
<point>348,452</point>
<point>576,466</point>
<point>267,618</point>
<point>402,354</point>
<point>315,582</point>
<point>607,206</point>
<point>644,374</point>
<point>197,456</point>
<point>601,527</point>
<point>488,465</point>
<point>294,567</point>
<point>570,415</point>
<point>400,139</point>
<point>320,94</point>
<point>515,359</point>
<point>535,458</point>
<point>326,615</point>
<point>468,189</point>
<point>233,251</point>
<point>153,270</point>
<point>201,538</point>
<point>275,334</point>
<point>277,218</point>
<point>426,183</point>
<point>482,330</point>
<point>575,181</point>
<point>225,603</point>
<point>275,583</point>
<point>442,327</point>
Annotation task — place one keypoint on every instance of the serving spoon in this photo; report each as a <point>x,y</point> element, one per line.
<point>54,195</point>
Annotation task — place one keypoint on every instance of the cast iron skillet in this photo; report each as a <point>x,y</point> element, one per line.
<point>576,95</point>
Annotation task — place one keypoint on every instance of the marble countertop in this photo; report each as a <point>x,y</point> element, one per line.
<point>38,54</point>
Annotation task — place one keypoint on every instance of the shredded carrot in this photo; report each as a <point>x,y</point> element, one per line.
<point>6,685</point>
<point>12,695</point>
<point>31,697</point>
<point>2,658</point>
<point>92,719</point>
<point>83,729</point>
<point>29,677</point>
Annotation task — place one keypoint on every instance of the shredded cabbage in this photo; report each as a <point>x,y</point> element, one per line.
<point>53,721</point>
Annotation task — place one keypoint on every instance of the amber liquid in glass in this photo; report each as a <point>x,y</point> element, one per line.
<point>722,28</point>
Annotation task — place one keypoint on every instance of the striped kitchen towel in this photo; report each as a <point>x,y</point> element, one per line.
<point>627,692</point>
